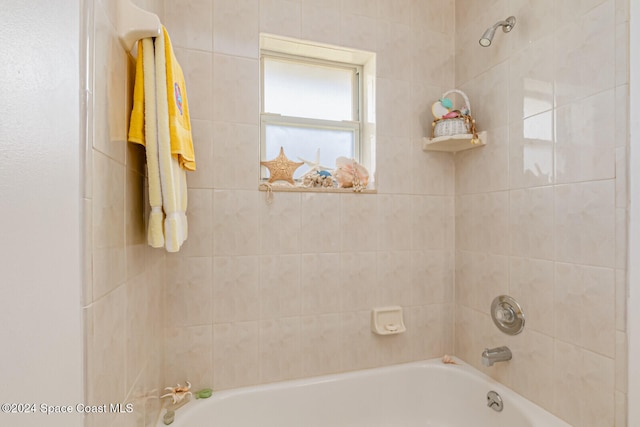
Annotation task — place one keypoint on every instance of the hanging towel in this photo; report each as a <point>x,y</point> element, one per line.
<point>160,122</point>
<point>179,122</point>
<point>172,177</point>
<point>144,121</point>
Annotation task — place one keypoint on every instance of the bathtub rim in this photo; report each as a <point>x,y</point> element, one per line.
<point>516,400</point>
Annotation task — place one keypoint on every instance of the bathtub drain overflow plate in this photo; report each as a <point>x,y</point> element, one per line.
<point>494,401</point>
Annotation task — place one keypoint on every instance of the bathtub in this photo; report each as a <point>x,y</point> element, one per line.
<point>425,394</point>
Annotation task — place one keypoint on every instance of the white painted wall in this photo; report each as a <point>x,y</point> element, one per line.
<point>633,314</point>
<point>41,353</point>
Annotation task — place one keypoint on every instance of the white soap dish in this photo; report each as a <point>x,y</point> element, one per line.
<point>387,320</point>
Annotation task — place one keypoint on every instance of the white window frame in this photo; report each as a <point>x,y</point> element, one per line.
<point>363,97</point>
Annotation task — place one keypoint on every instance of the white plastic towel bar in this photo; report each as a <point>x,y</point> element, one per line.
<point>135,24</point>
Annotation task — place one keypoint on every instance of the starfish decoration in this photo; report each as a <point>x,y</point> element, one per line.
<point>281,168</point>
<point>314,166</point>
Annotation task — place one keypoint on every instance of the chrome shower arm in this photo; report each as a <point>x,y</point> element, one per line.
<point>507,25</point>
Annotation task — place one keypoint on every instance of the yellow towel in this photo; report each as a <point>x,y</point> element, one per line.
<point>136,123</point>
<point>179,122</point>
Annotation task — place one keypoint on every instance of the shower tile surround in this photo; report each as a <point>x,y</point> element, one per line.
<point>552,95</point>
<point>123,304</point>
<point>263,293</point>
<point>291,284</point>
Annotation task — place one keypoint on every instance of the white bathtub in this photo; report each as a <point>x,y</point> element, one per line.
<point>425,394</point>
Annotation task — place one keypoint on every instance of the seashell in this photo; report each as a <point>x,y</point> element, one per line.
<point>350,173</point>
<point>446,359</point>
<point>451,115</point>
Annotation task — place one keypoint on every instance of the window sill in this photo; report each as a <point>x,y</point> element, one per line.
<point>300,189</point>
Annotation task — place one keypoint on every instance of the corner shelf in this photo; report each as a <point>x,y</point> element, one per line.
<point>453,143</point>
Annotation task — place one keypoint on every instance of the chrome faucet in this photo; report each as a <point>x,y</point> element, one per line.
<point>493,355</point>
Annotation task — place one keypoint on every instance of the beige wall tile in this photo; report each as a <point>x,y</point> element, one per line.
<point>109,89</point>
<point>320,286</point>
<point>585,223</point>
<point>587,294</point>
<point>189,291</point>
<point>428,327</point>
<point>280,17</point>
<point>320,223</point>
<point>428,214</point>
<point>358,30</point>
<point>359,224</point>
<point>531,151</point>
<point>432,277</point>
<point>108,208</point>
<point>235,156</point>
<point>190,23</point>
<point>236,359</point>
<point>236,289</point>
<point>531,223</point>
<point>236,27</point>
<point>280,224</point>
<point>394,219</point>
<point>532,283</point>
<point>197,68</point>
<point>532,367</point>
<point>235,89</point>
<point>280,354</point>
<point>320,21</point>
<point>188,356</point>
<point>107,378</point>
<point>432,173</point>
<point>199,214</point>
<point>202,133</point>
<point>357,343</point>
<point>280,286</point>
<point>393,162</point>
<point>358,281</point>
<point>320,344</point>
<point>394,44</point>
<point>538,24</point>
<point>236,222</point>
<point>394,278</point>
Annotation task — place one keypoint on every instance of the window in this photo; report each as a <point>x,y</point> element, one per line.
<point>312,103</point>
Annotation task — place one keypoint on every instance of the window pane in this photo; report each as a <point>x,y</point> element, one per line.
<point>304,143</point>
<point>300,89</point>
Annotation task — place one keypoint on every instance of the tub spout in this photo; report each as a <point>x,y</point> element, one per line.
<point>493,355</point>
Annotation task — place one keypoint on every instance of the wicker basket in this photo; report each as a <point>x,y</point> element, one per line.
<point>455,126</point>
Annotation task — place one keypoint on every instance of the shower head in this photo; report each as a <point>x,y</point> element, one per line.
<point>507,25</point>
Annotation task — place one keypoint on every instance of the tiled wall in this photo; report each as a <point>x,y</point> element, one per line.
<point>124,278</point>
<point>266,292</point>
<point>541,210</point>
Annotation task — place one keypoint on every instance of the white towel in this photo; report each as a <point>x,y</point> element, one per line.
<point>155,233</point>
<point>172,177</point>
